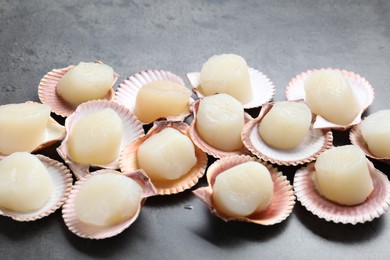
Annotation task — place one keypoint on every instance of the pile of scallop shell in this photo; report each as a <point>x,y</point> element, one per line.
<point>105,146</point>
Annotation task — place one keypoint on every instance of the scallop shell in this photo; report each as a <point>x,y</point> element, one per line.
<point>128,160</point>
<point>282,202</point>
<point>54,132</point>
<point>360,86</point>
<point>126,93</point>
<point>48,95</point>
<point>262,87</point>
<point>314,143</point>
<point>204,146</point>
<point>375,205</point>
<point>356,138</point>
<point>85,230</point>
<point>131,126</point>
<point>62,183</point>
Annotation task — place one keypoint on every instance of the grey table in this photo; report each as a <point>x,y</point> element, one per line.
<point>280,38</point>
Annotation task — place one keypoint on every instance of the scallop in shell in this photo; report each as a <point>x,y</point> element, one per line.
<point>132,129</point>
<point>315,142</point>
<point>92,231</point>
<point>53,133</point>
<point>282,202</point>
<point>356,137</point>
<point>207,148</point>
<point>361,88</point>
<point>377,203</point>
<point>127,91</point>
<point>48,94</point>
<point>62,184</point>
<point>263,88</point>
<point>128,160</point>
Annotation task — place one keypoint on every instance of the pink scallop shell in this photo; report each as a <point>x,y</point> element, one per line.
<point>128,160</point>
<point>375,205</point>
<point>360,86</point>
<point>86,230</point>
<point>356,138</point>
<point>62,183</point>
<point>204,146</point>
<point>48,95</point>
<point>263,88</point>
<point>126,93</point>
<point>282,202</point>
<point>314,143</point>
<point>131,126</point>
<point>54,132</point>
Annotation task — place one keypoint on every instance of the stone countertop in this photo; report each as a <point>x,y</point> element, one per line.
<point>280,38</point>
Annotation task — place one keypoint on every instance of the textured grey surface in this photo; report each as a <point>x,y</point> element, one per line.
<point>280,38</point>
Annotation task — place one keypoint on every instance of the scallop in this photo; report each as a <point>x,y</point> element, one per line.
<point>285,125</point>
<point>32,186</point>
<point>48,87</point>
<point>161,99</point>
<point>96,138</point>
<point>243,189</point>
<point>173,167</point>
<point>106,202</point>
<point>361,90</point>
<point>27,127</point>
<point>166,155</point>
<point>25,183</point>
<point>342,175</point>
<point>226,73</point>
<point>155,95</point>
<point>97,132</point>
<point>265,211</point>
<point>329,94</point>
<point>219,121</point>
<point>262,88</point>
<point>372,135</point>
<point>313,143</point>
<point>218,129</point>
<point>374,206</point>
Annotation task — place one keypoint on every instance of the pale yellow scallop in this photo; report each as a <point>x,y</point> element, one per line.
<point>22,126</point>
<point>161,98</point>
<point>243,189</point>
<point>166,155</point>
<point>107,199</point>
<point>96,138</point>
<point>219,121</point>
<point>376,133</point>
<point>329,94</point>
<point>226,73</point>
<point>86,81</point>
<point>25,183</point>
<point>285,125</point>
<point>342,175</point>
